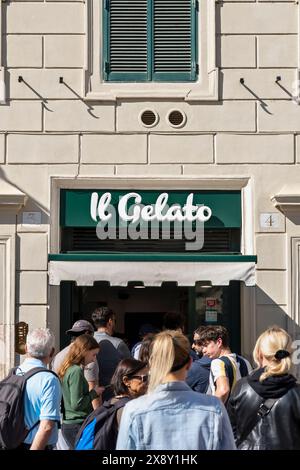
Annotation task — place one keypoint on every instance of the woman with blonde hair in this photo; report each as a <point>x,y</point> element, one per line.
<point>172,416</point>
<point>77,399</point>
<point>264,407</point>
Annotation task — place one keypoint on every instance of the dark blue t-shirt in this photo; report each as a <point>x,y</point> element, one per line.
<point>198,375</point>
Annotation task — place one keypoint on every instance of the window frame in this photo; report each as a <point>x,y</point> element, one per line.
<point>205,88</point>
<point>150,75</point>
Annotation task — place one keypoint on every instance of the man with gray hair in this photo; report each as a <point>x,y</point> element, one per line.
<point>43,392</point>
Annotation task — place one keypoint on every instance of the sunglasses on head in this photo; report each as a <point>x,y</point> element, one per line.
<point>142,378</point>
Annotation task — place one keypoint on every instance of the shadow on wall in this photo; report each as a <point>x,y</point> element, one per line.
<point>293,217</point>
<point>32,205</point>
<point>269,313</point>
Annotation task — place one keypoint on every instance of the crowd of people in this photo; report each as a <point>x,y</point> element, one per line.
<point>164,394</point>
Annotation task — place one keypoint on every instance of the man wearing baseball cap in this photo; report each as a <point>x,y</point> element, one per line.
<point>79,328</point>
<point>91,371</point>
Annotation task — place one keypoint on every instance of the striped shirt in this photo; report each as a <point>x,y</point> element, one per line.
<point>218,369</point>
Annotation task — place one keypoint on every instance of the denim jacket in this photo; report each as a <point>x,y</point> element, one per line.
<point>174,417</point>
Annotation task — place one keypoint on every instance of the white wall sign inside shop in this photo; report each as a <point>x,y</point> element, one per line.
<point>160,211</point>
<point>211,316</point>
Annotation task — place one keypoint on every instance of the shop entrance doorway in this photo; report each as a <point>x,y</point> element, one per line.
<point>134,306</point>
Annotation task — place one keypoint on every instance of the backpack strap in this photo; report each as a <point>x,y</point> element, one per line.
<point>121,402</point>
<point>243,366</point>
<point>118,404</point>
<point>27,375</point>
<point>263,410</point>
<point>30,374</point>
<point>266,407</point>
<point>228,370</point>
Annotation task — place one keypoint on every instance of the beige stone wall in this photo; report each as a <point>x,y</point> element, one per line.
<point>47,130</point>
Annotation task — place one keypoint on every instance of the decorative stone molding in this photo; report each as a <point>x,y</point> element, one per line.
<point>7,302</point>
<point>287,203</point>
<point>293,324</point>
<point>11,201</point>
<point>206,88</point>
<point>2,68</point>
<point>11,198</point>
<point>295,272</point>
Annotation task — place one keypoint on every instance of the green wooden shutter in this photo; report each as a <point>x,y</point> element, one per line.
<point>125,28</point>
<point>148,40</point>
<point>174,40</point>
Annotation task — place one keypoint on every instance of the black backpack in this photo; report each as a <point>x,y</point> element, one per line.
<point>99,431</point>
<point>229,368</point>
<point>13,430</point>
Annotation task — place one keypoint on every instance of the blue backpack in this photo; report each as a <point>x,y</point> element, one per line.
<point>99,431</point>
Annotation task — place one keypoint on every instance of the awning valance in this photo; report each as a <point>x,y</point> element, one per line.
<point>119,269</point>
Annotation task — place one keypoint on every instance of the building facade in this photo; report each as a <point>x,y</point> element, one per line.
<point>149,97</point>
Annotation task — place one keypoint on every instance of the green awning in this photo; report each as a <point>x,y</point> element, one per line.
<point>169,257</point>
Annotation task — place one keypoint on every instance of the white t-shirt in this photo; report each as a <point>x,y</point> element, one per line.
<point>218,369</point>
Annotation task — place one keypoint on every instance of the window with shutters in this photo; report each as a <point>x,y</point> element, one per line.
<point>150,40</point>
<point>163,49</point>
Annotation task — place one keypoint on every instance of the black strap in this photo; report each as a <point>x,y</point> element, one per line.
<point>266,407</point>
<point>228,370</point>
<point>118,404</point>
<point>263,410</point>
<point>62,407</point>
<point>243,365</point>
<point>28,375</point>
<point>32,427</point>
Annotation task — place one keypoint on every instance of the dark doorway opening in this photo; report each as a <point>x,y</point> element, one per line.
<point>199,305</point>
<point>133,323</point>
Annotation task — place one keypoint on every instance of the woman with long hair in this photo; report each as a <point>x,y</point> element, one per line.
<point>145,349</point>
<point>264,407</point>
<point>129,381</point>
<point>77,399</point>
<point>172,416</point>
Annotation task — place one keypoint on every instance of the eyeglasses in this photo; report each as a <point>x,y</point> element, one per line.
<point>142,378</point>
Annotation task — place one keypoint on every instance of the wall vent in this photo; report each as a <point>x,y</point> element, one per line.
<point>176,118</point>
<point>149,118</point>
